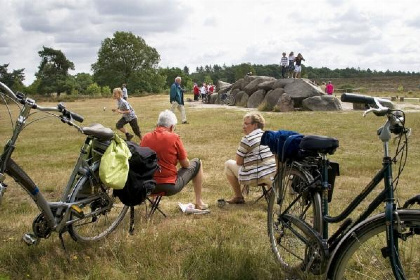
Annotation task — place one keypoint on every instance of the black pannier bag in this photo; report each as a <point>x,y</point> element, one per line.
<point>140,183</point>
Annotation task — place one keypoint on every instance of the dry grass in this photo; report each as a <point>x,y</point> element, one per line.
<point>229,243</point>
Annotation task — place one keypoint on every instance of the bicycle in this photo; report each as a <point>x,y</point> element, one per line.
<point>227,99</point>
<point>87,209</point>
<point>380,246</point>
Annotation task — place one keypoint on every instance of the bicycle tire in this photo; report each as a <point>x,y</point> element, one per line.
<point>101,216</point>
<point>289,250</point>
<point>360,255</point>
<point>230,100</point>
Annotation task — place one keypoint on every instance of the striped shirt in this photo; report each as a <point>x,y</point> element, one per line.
<point>259,162</point>
<point>284,61</point>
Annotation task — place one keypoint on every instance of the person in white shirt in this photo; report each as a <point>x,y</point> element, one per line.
<point>125,92</point>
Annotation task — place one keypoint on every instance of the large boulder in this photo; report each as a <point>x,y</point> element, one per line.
<point>285,104</point>
<point>281,83</point>
<point>321,103</point>
<point>238,97</point>
<point>272,97</point>
<point>253,85</point>
<point>223,87</point>
<point>214,99</point>
<point>267,85</point>
<point>256,98</point>
<point>301,89</point>
<point>242,99</point>
<point>239,84</point>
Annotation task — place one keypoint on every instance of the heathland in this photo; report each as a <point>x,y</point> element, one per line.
<point>229,243</point>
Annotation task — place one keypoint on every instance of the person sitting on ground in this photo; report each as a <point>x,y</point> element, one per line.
<point>254,164</point>
<point>129,116</point>
<point>170,150</point>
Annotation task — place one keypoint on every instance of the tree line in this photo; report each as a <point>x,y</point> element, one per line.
<point>126,58</point>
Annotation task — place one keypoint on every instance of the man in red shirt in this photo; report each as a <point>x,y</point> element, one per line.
<point>170,150</point>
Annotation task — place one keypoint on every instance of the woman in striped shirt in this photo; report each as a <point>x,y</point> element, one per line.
<point>254,164</point>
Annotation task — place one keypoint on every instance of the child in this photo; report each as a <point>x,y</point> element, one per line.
<point>129,116</point>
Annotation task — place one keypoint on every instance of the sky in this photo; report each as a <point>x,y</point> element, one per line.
<point>376,34</point>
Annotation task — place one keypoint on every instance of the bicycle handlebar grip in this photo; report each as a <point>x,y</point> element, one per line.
<point>357,98</point>
<point>77,117</point>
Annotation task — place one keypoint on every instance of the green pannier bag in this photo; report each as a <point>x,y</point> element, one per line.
<point>113,170</point>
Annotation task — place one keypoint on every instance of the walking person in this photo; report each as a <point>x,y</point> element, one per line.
<point>128,115</point>
<point>291,65</point>
<point>284,63</point>
<point>125,92</point>
<point>329,89</point>
<point>177,99</point>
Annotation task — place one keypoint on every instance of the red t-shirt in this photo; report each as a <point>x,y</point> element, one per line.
<point>169,149</point>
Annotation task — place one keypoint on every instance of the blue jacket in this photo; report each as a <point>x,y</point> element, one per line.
<point>176,94</point>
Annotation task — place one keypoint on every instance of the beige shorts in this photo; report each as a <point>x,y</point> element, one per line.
<point>232,169</point>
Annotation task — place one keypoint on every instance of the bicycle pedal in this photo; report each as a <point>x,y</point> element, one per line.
<point>30,239</point>
<point>77,211</point>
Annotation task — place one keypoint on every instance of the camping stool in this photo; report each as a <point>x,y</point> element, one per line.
<point>265,191</point>
<point>154,205</point>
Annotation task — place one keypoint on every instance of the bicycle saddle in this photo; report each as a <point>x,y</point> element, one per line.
<point>99,131</point>
<point>319,144</point>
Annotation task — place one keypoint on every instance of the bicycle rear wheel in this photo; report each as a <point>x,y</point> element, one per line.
<point>363,254</point>
<point>293,247</point>
<point>101,215</point>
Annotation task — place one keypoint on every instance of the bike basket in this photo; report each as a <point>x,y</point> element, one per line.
<point>333,171</point>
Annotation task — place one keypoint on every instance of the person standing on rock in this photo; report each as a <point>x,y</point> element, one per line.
<point>291,65</point>
<point>298,66</point>
<point>284,62</point>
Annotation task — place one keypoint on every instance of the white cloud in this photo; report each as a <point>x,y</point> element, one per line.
<point>371,34</point>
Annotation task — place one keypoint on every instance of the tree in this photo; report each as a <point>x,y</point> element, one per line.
<point>53,71</point>
<point>121,59</point>
<point>83,80</point>
<point>13,80</point>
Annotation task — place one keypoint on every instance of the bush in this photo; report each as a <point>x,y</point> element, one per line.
<point>93,89</point>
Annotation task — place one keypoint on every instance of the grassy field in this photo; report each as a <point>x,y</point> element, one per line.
<point>228,243</point>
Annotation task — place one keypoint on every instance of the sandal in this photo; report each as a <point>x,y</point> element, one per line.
<point>236,200</point>
<point>202,206</point>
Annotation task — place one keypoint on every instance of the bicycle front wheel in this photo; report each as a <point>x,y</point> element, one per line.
<point>101,215</point>
<point>363,255</point>
<point>293,247</point>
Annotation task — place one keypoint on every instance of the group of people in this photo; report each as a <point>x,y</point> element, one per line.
<point>204,91</point>
<point>291,65</point>
<point>254,163</point>
<point>328,88</point>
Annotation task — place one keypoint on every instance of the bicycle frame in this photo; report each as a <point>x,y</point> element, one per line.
<point>386,195</point>
<point>52,211</point>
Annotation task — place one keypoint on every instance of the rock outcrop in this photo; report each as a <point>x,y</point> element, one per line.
<point>282,95</point>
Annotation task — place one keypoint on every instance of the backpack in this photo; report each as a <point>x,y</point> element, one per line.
<point>283,143</point>
<point>140,183</point>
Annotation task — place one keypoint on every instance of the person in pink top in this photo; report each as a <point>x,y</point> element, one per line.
<point>329,89</point>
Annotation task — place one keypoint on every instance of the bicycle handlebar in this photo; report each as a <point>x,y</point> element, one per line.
<point>20,98</point>
<point>357,98</point>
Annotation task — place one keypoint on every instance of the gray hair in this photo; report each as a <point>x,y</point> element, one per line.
<point>178,78</point>
<point>167,119</point>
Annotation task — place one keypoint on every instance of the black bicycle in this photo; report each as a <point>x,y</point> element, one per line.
<point>87,210</point>
<point>381,246</point>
